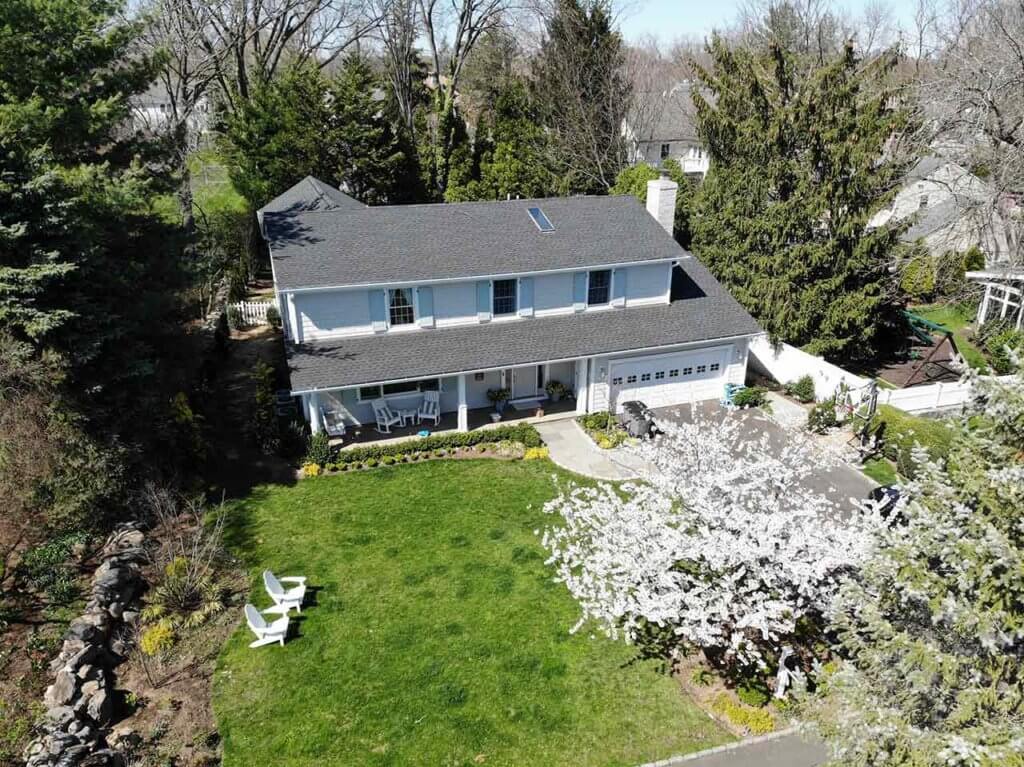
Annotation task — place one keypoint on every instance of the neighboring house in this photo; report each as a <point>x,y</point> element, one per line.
<point>669,132</point>
<point>152,111</point>
<point>593,292</point>
<point>950,209</point>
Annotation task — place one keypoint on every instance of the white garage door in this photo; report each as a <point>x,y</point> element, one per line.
<point>670,379</point>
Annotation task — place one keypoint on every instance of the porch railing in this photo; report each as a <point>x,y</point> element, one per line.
<point>247,313</point>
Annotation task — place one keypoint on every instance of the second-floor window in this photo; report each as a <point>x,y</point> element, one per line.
<point>664,151</point>
<point>504,297</point>
<point>400,310</point>
<point>599,287</point>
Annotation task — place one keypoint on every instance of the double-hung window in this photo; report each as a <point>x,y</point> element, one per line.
<point>664,151</point>
<point>599,287</point>
<point>400,309</point>
<point>504,297</point>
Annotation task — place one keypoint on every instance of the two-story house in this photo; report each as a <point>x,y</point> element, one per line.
<point>593,292</point>
<point>668,132</point>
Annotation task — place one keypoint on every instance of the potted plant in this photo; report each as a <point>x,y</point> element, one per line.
<point>499,397</point>
<point>555,389</point>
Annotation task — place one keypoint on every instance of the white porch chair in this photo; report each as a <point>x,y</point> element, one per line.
<point>266,633</point>
<point>386,418</point>
<point>287,598</point>
<point>431,407</point>
<point>333,423</point>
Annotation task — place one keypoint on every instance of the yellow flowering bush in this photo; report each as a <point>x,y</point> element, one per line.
<point>311,470</point>
<point>157,638</point>
<point>535,454</point>
<point>757,721</point>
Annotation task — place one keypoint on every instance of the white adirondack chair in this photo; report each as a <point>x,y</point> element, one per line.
<point>288,598</point>
<point>266,633</point>
<point>431,407</point>
<point>333,423</point>
<point>385,416</point>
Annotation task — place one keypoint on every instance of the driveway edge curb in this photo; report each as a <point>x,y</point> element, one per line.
<point>674,760</point>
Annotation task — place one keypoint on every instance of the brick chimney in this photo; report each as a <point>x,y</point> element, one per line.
<point>661,201</point>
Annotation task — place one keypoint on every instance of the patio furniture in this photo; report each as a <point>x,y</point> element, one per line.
<point>386,418</point>
<point>289,598</point>
<point>266,633</point>
<point>431,407</point>
<point>333,423</point>
<point>407,415</point>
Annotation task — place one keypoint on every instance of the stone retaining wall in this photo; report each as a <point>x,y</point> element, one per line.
<point>81,700</point>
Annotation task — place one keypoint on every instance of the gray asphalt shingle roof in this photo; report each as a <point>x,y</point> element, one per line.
<point>705,311</point>
<point>308,195</point>
<point>410,243</point>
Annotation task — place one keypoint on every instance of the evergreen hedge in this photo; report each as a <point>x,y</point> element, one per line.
<point>903,431</point>
<point>523,433</point>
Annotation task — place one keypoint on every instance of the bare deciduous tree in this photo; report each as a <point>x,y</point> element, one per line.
<point>972,96</point>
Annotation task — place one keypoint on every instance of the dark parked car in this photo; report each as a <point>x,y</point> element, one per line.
<point>637,419</point>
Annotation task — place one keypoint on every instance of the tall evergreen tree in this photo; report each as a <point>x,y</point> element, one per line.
<point>582,94</point>
<point>798,166</point>
<point>508,153</point>
<point>303,123</point>
<point>931,632</point>
<point>87,271</point>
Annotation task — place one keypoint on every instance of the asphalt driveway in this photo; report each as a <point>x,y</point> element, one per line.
<point>839,483</point>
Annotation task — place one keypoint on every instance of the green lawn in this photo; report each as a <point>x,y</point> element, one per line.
<point>958,318</point>
<point>881,470</point>
<point>437,637</point>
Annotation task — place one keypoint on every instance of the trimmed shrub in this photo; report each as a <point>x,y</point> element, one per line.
<point>387,460</point>
<point>996,346</point>
<point>901,431</point>
<point>822,417</point>
<point>757,721</point>
<point>751,396</point>
<point>318,449</point>
<point>596,421</point>
<point>801,389</point>
<point>753,692</point>
<point>369,463</point>
<point>440,444</point>
<point>273,317</point>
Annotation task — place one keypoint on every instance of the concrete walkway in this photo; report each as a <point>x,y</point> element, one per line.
<point>570,448</point>
<point>781,749</point>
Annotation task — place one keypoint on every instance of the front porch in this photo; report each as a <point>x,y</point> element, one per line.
<point>478,418</point>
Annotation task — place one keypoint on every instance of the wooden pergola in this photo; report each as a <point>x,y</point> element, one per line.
<point>1004,294</point>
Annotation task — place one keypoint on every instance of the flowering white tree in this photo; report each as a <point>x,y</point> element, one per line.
<point>932,629</point>
<point>722,544</point>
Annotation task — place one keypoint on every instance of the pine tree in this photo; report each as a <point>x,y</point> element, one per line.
<point>798,166</point>
<point>932,630</point>
<point>508,153</point>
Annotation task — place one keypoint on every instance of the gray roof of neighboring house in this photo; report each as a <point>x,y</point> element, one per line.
<point>932,219</point>
<point>308,195</point>
<point>701,310</point>
<point>408,243</point>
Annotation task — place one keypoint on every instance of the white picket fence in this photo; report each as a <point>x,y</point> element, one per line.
<point>252,312</point>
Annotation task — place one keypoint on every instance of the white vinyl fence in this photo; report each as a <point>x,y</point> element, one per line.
<point>786,364</point>
<point>251,312</point>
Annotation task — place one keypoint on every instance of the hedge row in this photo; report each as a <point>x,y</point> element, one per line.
<point>523,433</point>
<point>902,431</point>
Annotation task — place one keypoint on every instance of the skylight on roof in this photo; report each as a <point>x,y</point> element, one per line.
<point>540,220</point>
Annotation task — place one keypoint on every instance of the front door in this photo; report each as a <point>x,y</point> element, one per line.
<point>524,382</point>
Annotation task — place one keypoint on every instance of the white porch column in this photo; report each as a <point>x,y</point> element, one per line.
<point>463,407</point>
<point>582,386</point>
<point>313,405</point>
